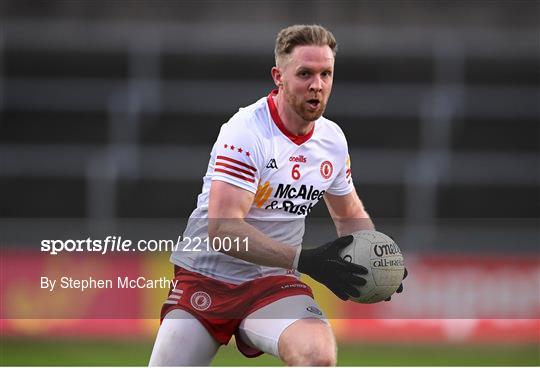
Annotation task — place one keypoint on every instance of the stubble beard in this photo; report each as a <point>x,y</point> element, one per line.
<point>299,107</point>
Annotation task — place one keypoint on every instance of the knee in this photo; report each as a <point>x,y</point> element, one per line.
<point>314,354</point>
<point>321,358</point>
<point>308,342</point>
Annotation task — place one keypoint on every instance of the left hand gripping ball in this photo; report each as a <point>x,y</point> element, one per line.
<point>382,257</point>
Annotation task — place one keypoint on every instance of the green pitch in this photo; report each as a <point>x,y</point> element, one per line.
<point>136,353</point>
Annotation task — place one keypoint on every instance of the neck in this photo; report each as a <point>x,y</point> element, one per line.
<point>292,121</point>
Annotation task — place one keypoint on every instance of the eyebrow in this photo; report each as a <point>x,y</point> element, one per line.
<point>306,68</point>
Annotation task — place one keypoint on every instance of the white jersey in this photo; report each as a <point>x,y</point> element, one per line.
<point>288,174</point>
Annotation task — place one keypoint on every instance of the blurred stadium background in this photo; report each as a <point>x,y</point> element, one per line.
<point>109,110</point>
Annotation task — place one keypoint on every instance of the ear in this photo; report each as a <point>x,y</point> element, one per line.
<point>276,76</point>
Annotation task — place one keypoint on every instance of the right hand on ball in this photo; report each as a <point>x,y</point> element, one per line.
<point>325,265</point>
<point>400,288</point>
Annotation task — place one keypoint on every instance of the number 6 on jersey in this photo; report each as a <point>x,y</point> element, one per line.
<point>295,172</point>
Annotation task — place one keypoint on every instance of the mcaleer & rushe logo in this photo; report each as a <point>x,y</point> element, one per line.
<point>288,192</point>
<point>263,192</point>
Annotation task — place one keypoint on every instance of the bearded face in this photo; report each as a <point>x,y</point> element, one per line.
<point>309,106</point>
<point>307,78</point>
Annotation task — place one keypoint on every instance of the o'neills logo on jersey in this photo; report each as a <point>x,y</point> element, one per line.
<point>302,159</point>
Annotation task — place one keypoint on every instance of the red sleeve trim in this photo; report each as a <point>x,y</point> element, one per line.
<point>250,180</point>
<point>236,162</point>
<point>235,168</point>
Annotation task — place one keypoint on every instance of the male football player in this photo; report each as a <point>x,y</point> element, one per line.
<point>271,163</point>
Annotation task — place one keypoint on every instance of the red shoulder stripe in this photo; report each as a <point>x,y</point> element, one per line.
<point>236,162</point>
<point>235,168</point>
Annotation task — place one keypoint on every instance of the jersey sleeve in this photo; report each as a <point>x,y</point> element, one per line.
<point>237,154</point>
<point>343,184</point>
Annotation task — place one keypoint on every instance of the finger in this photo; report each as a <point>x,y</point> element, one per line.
<point>354,268</point>
<point>351,283</point>
<point>343,241</point>
<point>341,267</point>
<point>351,290</point>
<point>347,287</point>
<point>399,289</point>
<point>353,279</point>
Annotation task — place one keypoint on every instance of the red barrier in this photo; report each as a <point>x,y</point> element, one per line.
<point>439,330</point>
<point>446,298</point>
<point>454,298</point>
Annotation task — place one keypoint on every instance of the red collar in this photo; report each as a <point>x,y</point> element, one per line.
<point>296,139</point>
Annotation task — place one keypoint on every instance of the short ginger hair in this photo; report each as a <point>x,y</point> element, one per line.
<point>302,35</point>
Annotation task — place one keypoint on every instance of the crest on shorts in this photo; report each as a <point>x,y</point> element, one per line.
<point>201,300</point>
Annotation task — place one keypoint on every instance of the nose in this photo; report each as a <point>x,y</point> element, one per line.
<point>316,84</point>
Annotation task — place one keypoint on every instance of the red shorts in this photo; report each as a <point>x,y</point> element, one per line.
<point>221,306</point>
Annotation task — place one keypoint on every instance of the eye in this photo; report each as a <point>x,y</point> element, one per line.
<point>303,73</point>
<point>327,74</point>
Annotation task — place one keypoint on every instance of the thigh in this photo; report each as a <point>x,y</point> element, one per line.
<point>263,329</point>
<point>183,341</point>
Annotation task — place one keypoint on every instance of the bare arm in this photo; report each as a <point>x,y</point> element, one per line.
<point>348,213</point>
<point>227,208</point>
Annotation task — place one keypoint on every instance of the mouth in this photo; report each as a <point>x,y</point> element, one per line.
<point>314,103</point>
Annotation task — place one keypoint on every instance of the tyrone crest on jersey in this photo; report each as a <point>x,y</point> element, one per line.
<point>326,169</point>
<point>272,164</point>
